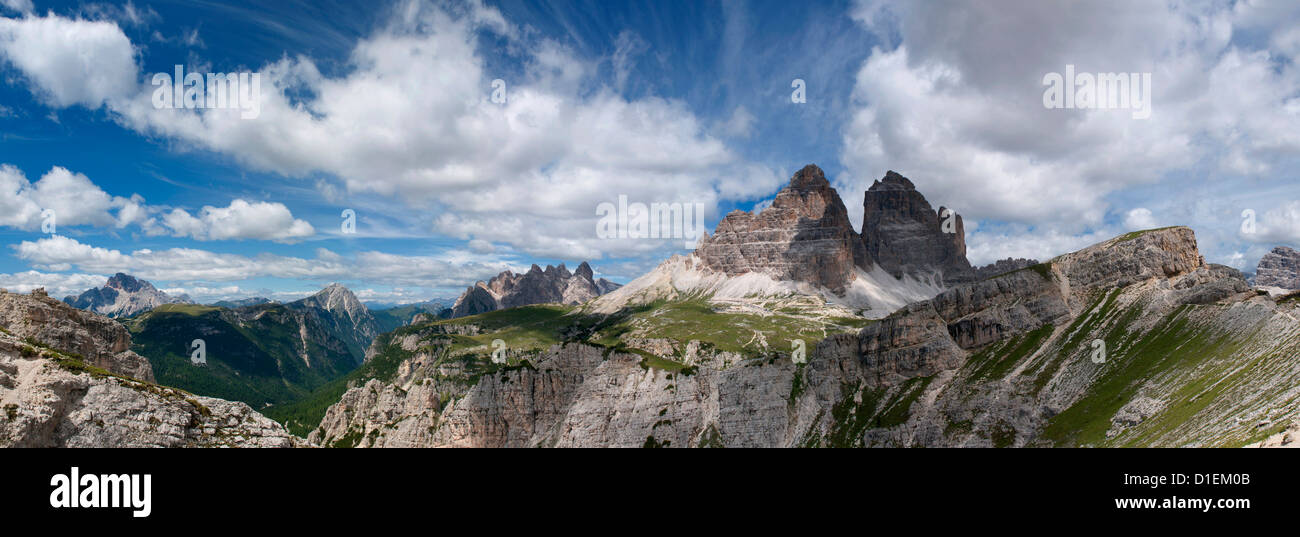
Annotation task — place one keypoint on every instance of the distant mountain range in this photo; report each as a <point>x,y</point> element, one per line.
<point>239,303</point>
<point>433,305</point>
<point>123,296</point>
<point>537,286</point>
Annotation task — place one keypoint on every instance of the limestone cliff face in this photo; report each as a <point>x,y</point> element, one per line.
<point>1009,361</point>
<point>1279,268</point>
<point>66,380</point>
<point>805,235</point>
<point>1134,257</point>
<point>100,341</point>
<point>905,235</point>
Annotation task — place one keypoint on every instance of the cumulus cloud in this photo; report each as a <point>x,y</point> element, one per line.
<point>1280,225</point>
<point>941,104</point>
<point>17,209</point>
<point>21,6</point>
<point>1139,218</point>
<point>240,220</point>
<point>57,285</point>
<point>413,118</point>
<point>72,197</point>
<point>77,201</point>
<point>71,61</point>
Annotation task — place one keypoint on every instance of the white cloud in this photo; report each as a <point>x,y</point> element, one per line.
<point>948,110</point>
<point>240,220</point>
<point>77,201</point>
<point>21,6</point>
<point>984,247</point>
<point>1280,225</point>
<point>481,246</point>
<point>1139,219</point>
<point>71,61</point>
<point>16,206</point>
<point>194,265</point>
<point>74,199</point>
<point>413,119</point>
<point>740,124</point>
<point>56,285</point>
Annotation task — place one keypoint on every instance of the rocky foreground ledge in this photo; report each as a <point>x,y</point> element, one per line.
<point>67,379</point>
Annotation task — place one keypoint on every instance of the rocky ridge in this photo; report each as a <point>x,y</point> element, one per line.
<point>66,380</point>
<point>537,286</point>
<point>1007,361</point>
<point>905,235</point>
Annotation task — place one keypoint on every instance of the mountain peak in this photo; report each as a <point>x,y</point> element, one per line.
<point>123,295</point>
<point>336,294</point>
<point>905,235</point>
<point>584,271</point>
<point>810,177</point>
<point>126,282</point>
<point>1279,268</point>
<point>804,235</point>
<point>892,181</point>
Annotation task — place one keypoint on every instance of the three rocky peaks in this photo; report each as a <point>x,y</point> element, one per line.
<point>805,235</point>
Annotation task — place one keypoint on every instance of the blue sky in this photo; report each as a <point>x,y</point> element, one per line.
<point>385,108</point>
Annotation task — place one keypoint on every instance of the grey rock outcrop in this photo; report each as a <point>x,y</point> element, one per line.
<point>123,296</point>
<point>99,341</point>
<point>537,286</point>
<point>805,235</point>
<point>1002,266</point>
<point>52,394</point>
<point>905,235</point>
<point>1279,268</point>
